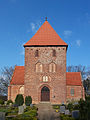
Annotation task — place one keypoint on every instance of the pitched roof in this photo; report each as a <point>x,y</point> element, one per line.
<point>18,76</point>
<point>72,78</point>
<point>46,35</point>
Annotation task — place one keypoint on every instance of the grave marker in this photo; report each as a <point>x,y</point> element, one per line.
<point>62,109</point>
<point>75,114</point>
<point>20,110</point>
<point>2,115</point>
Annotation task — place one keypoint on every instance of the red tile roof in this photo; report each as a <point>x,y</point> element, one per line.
<point>18,76</point>
<point>46,35</point>
<point>72,78</point>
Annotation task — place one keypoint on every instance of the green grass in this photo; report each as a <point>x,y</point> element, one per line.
<point>56,106</point>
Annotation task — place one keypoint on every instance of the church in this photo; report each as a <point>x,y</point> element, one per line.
<point>44,76</point>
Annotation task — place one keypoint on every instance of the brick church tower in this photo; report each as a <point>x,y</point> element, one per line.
<point>44,75</point>
<point>45,66</point>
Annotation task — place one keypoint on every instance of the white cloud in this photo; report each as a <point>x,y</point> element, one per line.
<point>34,26</point>
<point>78,43</point>
<point>67,33</point>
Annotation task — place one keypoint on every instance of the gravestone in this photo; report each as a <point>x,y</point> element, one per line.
<point>20,109</point>
<point>2,115</point>
<point>24,106</point>
<point>67,112</point>
<point>75,114</point>
<point>75,103</point>
<point>10,104</point>
<point>31,105</point>
<point>62,109</point>
<point>5,102</point>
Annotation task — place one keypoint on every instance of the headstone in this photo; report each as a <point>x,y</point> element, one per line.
<point>24,106</point>
<point>67,112</point>
<point>62,109</point>
<point>31,105</point>
<point>5,102</point>
<point>75,103</point>
<point>2,115</point>
<point>75,114</point>
<point>20,110</point>
<point>10,104</point>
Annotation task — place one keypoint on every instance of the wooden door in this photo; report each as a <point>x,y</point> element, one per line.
<point>45,94</point>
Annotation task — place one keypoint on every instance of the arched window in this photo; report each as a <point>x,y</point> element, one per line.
<point>36,53</point>
<point>54,53</point>
<point>39,67</point>
<point>45,78</point>
<point>52,67</point>
<point>21,90</point>
<point>72,92</point>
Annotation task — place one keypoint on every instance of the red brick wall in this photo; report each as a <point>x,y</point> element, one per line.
<point>78,92</point>
<point>13,90</point>
<point>33,81</point>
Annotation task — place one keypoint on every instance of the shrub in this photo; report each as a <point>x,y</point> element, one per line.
<point>9,101</point>
<point>28,100</point>
<point>83,109</point>
<point>1,102</point>
<point>66,117</point>
<point>70,106</point>
<point>19,100</point>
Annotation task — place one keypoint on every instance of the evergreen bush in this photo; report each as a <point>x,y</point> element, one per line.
<point>28,100</point>
<point>1,102</point>
<point>9,101</point>
<point>19,100</point>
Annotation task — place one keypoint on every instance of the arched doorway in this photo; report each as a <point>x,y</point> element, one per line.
<point>45,94</point>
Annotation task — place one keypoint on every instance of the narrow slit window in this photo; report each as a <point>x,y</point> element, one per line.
<point>54,53</point>
<point>36,53</point>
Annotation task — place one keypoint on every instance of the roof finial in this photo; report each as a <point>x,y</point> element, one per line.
<point>45,18</point>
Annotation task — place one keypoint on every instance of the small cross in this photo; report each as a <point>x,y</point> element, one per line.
<point>45,18</point>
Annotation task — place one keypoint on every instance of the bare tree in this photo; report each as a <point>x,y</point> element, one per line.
<point>6,74</point>
<point>78,68</point>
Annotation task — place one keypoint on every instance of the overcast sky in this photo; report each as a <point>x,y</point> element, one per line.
<point>20,19</point>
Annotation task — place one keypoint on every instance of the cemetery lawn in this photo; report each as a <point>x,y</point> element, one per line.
<point>56,107</point>
<point>11,113</point>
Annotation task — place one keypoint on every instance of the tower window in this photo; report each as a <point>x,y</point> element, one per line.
<point>45,78</point>
<point>52,67</point>
<point>54,53</point>
<point>36,53</point>
<point>39,67</point>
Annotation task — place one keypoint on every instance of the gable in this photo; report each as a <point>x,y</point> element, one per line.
<point>18,76</point>
<point>73,78</point>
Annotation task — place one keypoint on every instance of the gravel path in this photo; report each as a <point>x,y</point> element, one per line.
<point>46,112</point>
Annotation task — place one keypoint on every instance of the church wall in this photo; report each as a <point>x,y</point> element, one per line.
<point>34,80</point>
<point>13,90</point>
<point>78,92</point>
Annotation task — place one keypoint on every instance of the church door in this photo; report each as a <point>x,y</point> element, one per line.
<point>45,94</point>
